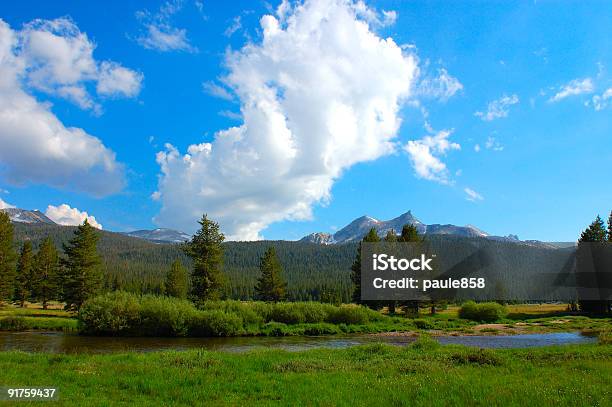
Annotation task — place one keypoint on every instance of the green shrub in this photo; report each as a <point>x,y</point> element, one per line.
<point>165,316</point>
<point>215,323</point>
<point>275,329</point>
<point>115,313</point>
<point>349,314</point>
<point>13,324</point>
<point>246,311</point>
<point>423,324</point>
<point>121,313</point>
<point>321,329</point>
<point>425,343</point>
<point>482,312</point>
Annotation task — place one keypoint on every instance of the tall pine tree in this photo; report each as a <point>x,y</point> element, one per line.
<point>596,232</point>
<point>372,237</point>
<point>7,258</point>
<point>23,280</point>
<point>270,286</point>
<point>410,234</point>
<point>176,280</point>
<point>206,251</point>
<point>82,277</point>
<point>45,278</point>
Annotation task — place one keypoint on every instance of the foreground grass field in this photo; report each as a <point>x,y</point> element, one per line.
<point>422,374</point>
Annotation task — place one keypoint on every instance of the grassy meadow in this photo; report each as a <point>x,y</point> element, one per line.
<point>423,373</point>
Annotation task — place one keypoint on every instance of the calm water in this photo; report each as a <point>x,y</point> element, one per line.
<point>56,342</point>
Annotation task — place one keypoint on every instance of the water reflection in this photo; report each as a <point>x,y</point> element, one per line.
<point>55,342</point>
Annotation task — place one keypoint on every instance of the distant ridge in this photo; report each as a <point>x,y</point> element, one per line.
<point>160,235</point>
<point>358,228</point>
<point>26,216</point>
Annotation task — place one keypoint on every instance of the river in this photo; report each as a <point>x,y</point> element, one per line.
<point>57,342</point>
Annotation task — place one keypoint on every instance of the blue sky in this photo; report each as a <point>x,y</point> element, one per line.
<point>509,97</point>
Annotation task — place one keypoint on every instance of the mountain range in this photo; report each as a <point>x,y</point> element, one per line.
<point>159,235</point>
<point>26,216</point>
<point>358,228</point>
<point>352,232</point>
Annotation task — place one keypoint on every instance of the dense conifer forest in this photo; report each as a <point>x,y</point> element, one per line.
<point>313,272</point>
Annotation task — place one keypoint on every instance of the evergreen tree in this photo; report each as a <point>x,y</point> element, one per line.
<point>206,251</point>
<point>176,281</point>
<point>409,234</point>
<point>82,278</point>
<point>391,236</point>
<point>7,258</point>
<point>45,276</point>
<point>596,232</point>
<point>610,227</point>
<point>372,237</point>
<point>270,285</point>
<point>25,267</point>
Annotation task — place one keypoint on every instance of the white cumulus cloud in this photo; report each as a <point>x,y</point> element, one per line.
<point>573,88</point>
<point>472,195</point>
<point>65,215</point>
<point>426,156</point>
<point>498,108</point>
<point>35,146</point>
<point>57,58</point>
<point>115,80</point>
<point>320,93</point>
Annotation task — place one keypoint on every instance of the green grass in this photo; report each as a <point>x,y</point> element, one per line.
<point>21,319</point>
<point>424,373</point>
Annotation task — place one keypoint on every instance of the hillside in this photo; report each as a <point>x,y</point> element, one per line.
<point>310,269</point>
<point>139,265</point>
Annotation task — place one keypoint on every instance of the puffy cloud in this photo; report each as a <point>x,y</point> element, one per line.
<point>65,215</point>
<point>319,93</point>
<point>5,205</point>
<point>600,102</point>
<point>426,153</point>
<point>442,87</point>
<point>477,148</point>
<point>498,108</point>
<point>573,88</point>
<point>472,195</point>
<point>57,58</point>
<point>159,34</point>
<point>115,80</point>
<point>35,146</point>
